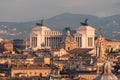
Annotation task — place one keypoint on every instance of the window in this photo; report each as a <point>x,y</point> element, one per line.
<point>35,73</point>
<point>68,48</point>
<point>79,41</point>
<point>45,73</point>
<point>34,41</point>
<point>90,41</point>
<point>30,73</point>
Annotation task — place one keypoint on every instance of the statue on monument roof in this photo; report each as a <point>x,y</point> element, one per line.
<point>41,23</point>
<point>85,23</point>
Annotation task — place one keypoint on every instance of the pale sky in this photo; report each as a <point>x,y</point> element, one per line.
<point>30,10</point>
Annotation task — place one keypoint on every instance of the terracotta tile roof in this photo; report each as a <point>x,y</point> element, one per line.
<point>43,50</point>
<point>80,50</point>
<point>55,50</point>
<point>66,56</point>
<point>28,66</point>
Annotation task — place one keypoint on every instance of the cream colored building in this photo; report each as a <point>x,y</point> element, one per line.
<point>43,37</point>
<point>108,44</point>
<point>85,36</point>
<point>59,52</point>
<point>30,70</point>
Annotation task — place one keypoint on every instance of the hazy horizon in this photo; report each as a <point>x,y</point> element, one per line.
<point>30,10</point>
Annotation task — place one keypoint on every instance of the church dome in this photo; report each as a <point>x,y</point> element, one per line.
<point>106,73</point>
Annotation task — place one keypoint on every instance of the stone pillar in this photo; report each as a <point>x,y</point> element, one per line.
<point>79,42</point>
<point>98,70</point>
<point>45,41</point>
<point>109,69</point>
<point>49,41</point>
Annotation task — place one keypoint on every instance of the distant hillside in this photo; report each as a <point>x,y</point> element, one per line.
<point>107,26</point>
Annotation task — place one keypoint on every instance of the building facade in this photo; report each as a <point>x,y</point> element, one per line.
<point>19,44</point>
<point>108,45</point>
<point>6,46</point>
<point>43,37</point>
<point>28,71</point>
<point>68,42</point>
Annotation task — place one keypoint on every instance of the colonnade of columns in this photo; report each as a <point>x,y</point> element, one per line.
<point>53,41</point>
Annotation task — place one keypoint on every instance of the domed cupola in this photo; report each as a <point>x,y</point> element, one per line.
<point>106,73</point>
